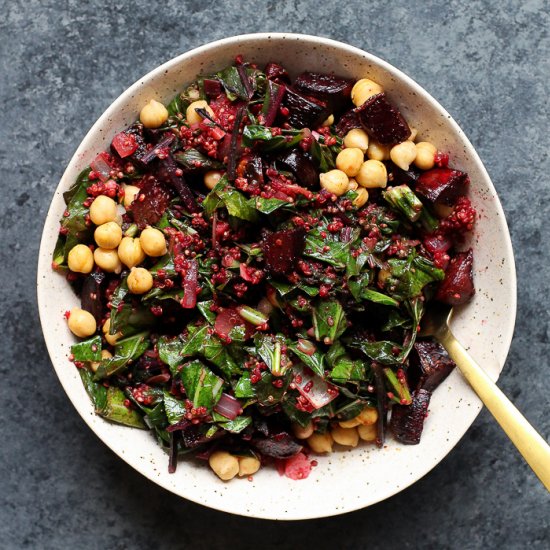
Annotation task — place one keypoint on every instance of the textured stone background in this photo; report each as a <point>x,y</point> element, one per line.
<point>62,62</point>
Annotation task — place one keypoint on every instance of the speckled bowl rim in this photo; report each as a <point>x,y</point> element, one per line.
<point>46,248</point>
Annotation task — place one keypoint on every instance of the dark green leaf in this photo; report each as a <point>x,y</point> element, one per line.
<point>315,361</point>
<point>234,201</point>
<point>243,388</point>
<point>266,206</point>
<point>169,350</point>
<point>235,426</point>
<point>89,350</point>
<point>408,277</point>
<point>126,350</point>
<point>260,136</point>
<point>338,253</point>
<point>192,159</point>
<point>207,313</point>
<point>329,320</point>
<point>116,411</point>
<point>174,408</point>
<point>201,385</point>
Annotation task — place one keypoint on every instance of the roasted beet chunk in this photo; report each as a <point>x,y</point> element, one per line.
<point>383,121</point>
<point>442,185</point>
<point>280,445</point>
<point>302,167</point>
<point>92,296</point>
<point>282,249</point>
<point>458,286</point>
<point>277,73</point>
<point>334,90</point>
<point>304,112</point>
<point>407,421</point>
<point>348,121</point>
<point>430,365</point>
<point>151,202</point>
<point>169,172</point>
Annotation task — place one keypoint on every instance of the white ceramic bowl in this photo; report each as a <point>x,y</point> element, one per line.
<point>346,480</point>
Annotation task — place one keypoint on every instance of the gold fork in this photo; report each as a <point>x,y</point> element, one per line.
<point>529,443</point>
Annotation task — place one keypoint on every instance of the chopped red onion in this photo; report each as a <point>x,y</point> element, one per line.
<point>228,406</point>
<point>318,392</point>
<point>101,167</point>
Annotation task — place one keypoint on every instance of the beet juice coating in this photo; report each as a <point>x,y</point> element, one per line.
<point>250,288</point>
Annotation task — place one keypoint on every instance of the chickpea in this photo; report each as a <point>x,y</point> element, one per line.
<point>414,133</point>
<point>111,338</point>
<point>211,178</point>
<point>130,252</point>
<point>368,416</point>
<point>300,432</point>
<point>378,151</point>
<point>191,114</point>
<point>153,115</point>
<point>107,260</point>
<point>329,121</point>
<point>81,323</point>
<point>248,465</point>
<point>367,432</point>
<point>352,185</point>
<point>363,90</point>
<point>372,174</point>
<point>361,198</point>
<point>351,423</point>
<point>130,193</point>
<point>320,443</point>
<point>357,138</point>
<point>139,281</point>
<point>152,242</point>
<point>349,161</point>
<point>383,276</point>
<point>225,466</point>
<point>335,182</point>
<point>108,235</point>
<point>105,354</point>
<point>80,259</point>
<point>403,154</point>
<point>103,210</point>
<point>425,155</point>
<point>345,436</point>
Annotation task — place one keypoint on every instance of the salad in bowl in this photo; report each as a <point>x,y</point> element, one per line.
<point>236,265</point>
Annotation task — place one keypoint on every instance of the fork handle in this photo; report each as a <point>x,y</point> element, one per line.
<point>529,443</point>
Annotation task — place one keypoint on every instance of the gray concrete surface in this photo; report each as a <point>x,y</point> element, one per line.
<point>61,65</point>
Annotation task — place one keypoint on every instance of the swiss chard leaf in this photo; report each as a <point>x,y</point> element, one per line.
<point>383,351</point>
<point>269,349</point>
<point>233,84</point>
<point>224,195</point>
<point>409,276</point>
<point>243,388</point>
<point>201,385</point>
<point>260,136</point>
<point>192,159</point>
<point>126,350</point>
<point>207,313</point>
<point>169,350</point>
<point>329,320</point>
<point>109,402</point>
<point>328,247</point>
<point>314,361</point>
<point>235,426</point>
<point>126,317</point>
<point>324,156</point>
<point>266,206</point>
<point>344,368</point>
<point>89,350</point>
<point>174,408</point>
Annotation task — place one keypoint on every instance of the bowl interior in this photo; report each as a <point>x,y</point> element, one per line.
<point>345,480</point>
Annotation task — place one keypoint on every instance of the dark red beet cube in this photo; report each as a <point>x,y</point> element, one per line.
<point>348,121</point>
<point>430,364</point>
<point>442,185</point>
<point>334,90</point>
<point>304,112</point>
<point>277,73</point>
<point>407,421</point>
<point>282,249</point>
<point>383,121</point>
<point>301,166</point>
<point>151,202</point>
<point>458,286</point>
